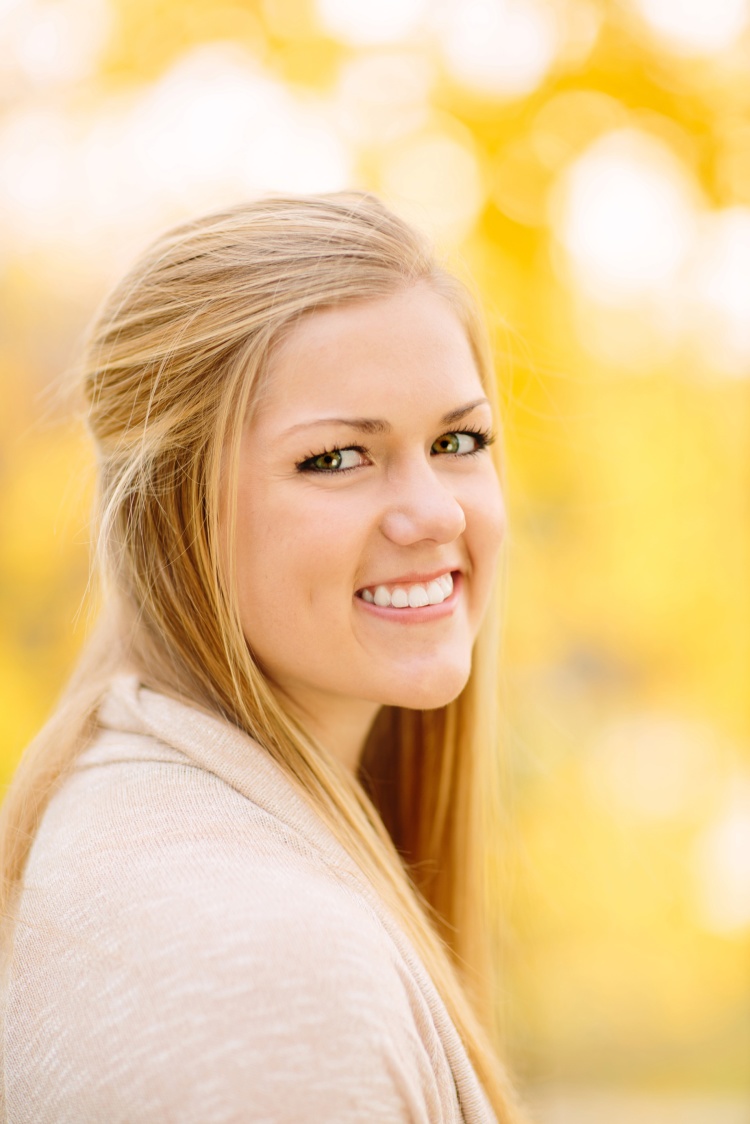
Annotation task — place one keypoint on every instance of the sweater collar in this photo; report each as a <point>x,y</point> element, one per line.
<point>221,748</point>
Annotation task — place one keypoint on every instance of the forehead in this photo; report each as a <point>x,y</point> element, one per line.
<point>404,351</point>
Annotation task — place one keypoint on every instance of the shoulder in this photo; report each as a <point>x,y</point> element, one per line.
<point>136,827</point>
<point>182,950</point>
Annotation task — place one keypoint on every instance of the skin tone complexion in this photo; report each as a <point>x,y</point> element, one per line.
<point>369,514</point>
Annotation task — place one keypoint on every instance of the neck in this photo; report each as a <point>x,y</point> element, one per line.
<point>341,725</point>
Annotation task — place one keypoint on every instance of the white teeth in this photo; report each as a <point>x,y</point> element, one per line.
<point>418,597</point>
<point>435,593</point>
<point>413,596</point>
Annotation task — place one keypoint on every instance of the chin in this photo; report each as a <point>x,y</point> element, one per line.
<point>428,688</point>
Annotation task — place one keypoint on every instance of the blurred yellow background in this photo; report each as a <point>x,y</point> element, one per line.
<point>589,164</point>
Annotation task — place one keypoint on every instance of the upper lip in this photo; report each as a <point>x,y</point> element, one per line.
<point>413,577</point>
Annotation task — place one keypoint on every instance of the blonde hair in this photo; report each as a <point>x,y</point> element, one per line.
<point>171,365</point>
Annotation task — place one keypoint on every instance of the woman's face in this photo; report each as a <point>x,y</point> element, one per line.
<point>369,512</point>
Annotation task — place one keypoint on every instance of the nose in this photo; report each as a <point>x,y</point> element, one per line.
<point>420,508</point>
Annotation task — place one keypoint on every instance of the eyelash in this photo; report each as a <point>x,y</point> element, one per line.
<point>483,437</point>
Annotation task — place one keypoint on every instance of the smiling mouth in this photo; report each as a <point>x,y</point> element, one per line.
<point>414,596</point>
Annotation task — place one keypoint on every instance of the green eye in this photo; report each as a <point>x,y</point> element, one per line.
<point>448,443</point>
<point>462,444</point>
<point>327,462</point>
<point>333,461</point>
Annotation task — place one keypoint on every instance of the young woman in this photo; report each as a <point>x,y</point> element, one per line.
<point>245,864</point>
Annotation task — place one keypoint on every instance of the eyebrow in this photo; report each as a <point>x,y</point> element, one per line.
<point>378,425</point>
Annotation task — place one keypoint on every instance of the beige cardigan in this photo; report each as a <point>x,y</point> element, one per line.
<point>195,947</point>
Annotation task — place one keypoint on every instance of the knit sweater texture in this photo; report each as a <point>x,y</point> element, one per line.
<point>194,946</point>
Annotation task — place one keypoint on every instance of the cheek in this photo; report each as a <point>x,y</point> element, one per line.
<point>269,554</point>
<point>273,587</point>
<point>293,551</point>
<point>488,520</point>
<point>485,531</point>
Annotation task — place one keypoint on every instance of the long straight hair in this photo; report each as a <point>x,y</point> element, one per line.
<point>170,369</point>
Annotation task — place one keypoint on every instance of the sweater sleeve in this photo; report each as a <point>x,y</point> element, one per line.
<point>184,960</point>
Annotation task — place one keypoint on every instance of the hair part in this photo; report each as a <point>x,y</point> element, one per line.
<point>172,364</point>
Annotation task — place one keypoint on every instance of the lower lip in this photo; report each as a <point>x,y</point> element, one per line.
<point>415,616</point>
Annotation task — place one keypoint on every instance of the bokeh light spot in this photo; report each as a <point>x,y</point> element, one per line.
<point>625,215</point>
<point>719,290</point>
<point>502,48</point>
<point>695,27</point>
<point>384,94</point>
<point>653,766</point>
<point>364,23</point>
<point>578,27</point>
<point>434,178</point>
<point>47,43</point>
<point>213,129</point>
<point>721,865</point>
